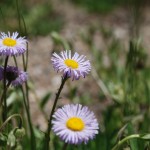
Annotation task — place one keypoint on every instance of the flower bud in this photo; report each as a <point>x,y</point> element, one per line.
<point>20,132</point>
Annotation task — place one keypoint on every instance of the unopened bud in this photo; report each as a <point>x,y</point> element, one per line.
<point>20,132</point>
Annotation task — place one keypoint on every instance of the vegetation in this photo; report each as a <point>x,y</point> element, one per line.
<point>123,82</point>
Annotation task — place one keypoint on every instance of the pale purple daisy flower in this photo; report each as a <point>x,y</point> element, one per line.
<point>12,45</point>
<point>14,76</point>
<point>74,67</point>
<point>75,124</point>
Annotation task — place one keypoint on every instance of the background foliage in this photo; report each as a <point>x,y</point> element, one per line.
<point>126,78</point>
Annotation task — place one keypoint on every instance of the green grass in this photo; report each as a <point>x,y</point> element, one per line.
<point>99,6</point>
<point>40,19</point>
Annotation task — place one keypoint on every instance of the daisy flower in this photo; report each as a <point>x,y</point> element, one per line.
<point>75,124</point>
<point>74,67</point>
<point>12,45</point>
<point>13,75</point>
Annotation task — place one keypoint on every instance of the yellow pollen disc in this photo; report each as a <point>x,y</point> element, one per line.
<point>75,124</point>
<point>9,42</point>
<point>71,63</point>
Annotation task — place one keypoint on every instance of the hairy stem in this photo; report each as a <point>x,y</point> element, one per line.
<point>52,112</point>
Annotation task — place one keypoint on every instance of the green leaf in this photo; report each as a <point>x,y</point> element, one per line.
<point>45,99</point>
<point>3,139</point>
<point>121,131</point>
<point>11,139</point>
<point>145,136</point>
<point>133,142</point>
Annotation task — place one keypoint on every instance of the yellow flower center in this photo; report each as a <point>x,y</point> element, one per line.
<point>9,42</point>
<point>71,63</point>
<point>75,124</point>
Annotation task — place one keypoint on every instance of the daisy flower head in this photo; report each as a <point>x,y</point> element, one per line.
<point>71,66</point>
<point>12,45</point>
<point>75,124</point>
<point>14,76</point>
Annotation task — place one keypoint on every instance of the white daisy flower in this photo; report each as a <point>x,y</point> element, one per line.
<point>74,67</point>
<point>11,45</point>
<point>75,124</point>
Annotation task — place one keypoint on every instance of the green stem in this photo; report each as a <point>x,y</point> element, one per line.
<point>116,147</point>
<point>25,65</point>
<point>9,118</point>
<point>5,89</point>
<point>65,146</point>
<point>2,97</point>
<point>15,61</point>
<point>64,79</point>
<point>33,141</point>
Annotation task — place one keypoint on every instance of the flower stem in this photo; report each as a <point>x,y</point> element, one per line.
<point>2,97</point>
<point>65,146</point>
<point>116,147</point>
<point>9,118</point>
<point>33,141</point>
<point>64,79</point>
<point>5,90</point>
